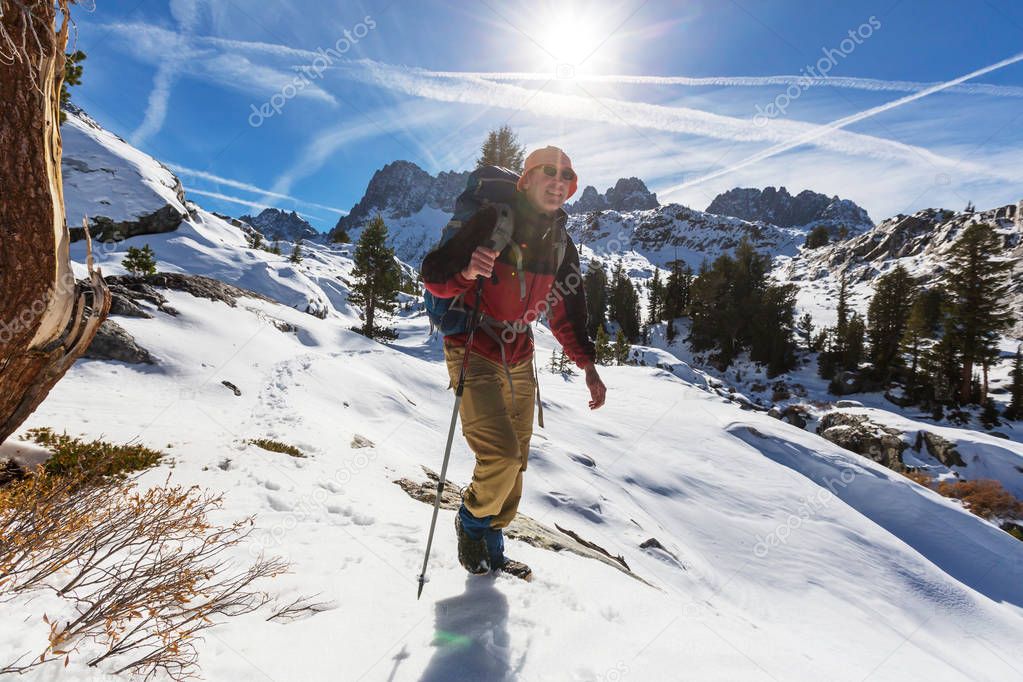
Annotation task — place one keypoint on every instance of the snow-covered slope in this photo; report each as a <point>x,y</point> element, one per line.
<point>793,558</point>
<point>784,556</point>
<point>656,237</point>
<point>105,176</point>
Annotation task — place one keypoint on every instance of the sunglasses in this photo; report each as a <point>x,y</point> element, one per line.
<point>567,174</point>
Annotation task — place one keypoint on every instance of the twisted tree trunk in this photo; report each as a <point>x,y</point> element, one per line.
<point>47,319</point>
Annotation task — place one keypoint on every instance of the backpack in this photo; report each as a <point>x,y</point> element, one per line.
<point>486,186</point>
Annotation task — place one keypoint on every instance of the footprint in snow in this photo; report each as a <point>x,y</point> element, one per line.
<point>277,504</point>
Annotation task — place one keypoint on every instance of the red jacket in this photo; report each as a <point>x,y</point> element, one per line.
<point>555,291</point>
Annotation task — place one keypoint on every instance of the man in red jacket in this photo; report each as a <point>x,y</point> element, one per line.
<point>537,273</point>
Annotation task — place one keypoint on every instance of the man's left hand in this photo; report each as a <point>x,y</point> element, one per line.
<point>597,389</point>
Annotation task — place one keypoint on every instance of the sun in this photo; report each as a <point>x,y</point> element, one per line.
<point>568,39</point>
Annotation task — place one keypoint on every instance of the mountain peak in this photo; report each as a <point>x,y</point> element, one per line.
<point>277,224</point>
<point>628,194</point>
<point>778,207</point>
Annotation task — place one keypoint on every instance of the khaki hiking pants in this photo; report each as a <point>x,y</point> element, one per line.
<point>497,429</point>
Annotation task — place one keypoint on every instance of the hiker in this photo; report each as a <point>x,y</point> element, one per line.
<point>536,273</point>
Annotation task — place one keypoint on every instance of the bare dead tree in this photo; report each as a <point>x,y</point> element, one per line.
<point>47,319</point>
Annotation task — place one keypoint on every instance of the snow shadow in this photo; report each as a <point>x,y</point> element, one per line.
<point>973,552</point>
<point>471,636</point>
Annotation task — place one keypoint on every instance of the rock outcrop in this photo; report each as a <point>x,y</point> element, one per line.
<point>628,194</point>
<point>778,207</point>
<point>856,432</point>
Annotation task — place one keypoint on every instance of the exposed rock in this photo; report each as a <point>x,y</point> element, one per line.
<point>778,207</point>
<point>655,548</point>
<point>628,194</point>
<point>196,285</point>
<point>792,414</point>
<point>113,342</point>
<point>103,229</point>
<point>273,223</point>
<point>521,528</point>
<point>123,303</point>
<point>232,387</point>
<point>402,188</point>
<point>857,433</point>
<point>846,383</point>
<point>360,441</point>
<point>940,448</point>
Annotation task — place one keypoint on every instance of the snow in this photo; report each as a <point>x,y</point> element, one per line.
<point>780,577</point>
<point>797,559</point>
<point>105,176</point>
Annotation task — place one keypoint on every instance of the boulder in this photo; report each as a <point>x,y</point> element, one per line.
<point>940,448</point>
<point>856,432</point>
<point>113,342</point>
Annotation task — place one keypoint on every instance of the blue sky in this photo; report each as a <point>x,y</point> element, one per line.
<point>296,104</point>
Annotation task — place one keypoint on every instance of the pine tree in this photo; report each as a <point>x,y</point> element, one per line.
<point>805,328</point>
<point>916,335</point>
<point>989,414</point>
<point>1015,409</point>
<point>595,286</point>
<point>501,148</point>
<point>375,278</point>
<point>852,348</point>
<point>656,298</point>
<point>977,285</point>
<point>842,324</point>
<point>887,317</point>
<point>296,252</point>
<point>603,347</point>
<point>276,246</point>
<point>140,262</point>
<point>339,236</point>
<point>72,76</point>
<point>817,238</point>
<point>623,305</point>
<point>621,348</point>
<point>733,308</point>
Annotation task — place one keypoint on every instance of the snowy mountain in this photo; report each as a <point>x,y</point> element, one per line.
<point>762,550</point>
<point>414,204</point>
<point>807,209</point>
<point>120,190</point>
<point>919,242</point>
<point>658,236</point>
<point>628,194</point>
<point>274,223</point>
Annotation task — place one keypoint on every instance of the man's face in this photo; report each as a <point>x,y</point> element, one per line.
<point>547,194</point>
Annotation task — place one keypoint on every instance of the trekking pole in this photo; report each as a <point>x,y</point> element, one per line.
<point>473,323</point>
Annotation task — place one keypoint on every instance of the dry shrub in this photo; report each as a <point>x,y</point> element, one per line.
<point>144,572</point>
<point>97,458</point>
<point>984,497</point>
<point>918,476</point>
<point>277,446</point>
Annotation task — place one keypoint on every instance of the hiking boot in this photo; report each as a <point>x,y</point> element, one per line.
<point>516,568</point>
<point>472,554</point>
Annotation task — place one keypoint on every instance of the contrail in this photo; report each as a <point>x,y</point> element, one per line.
<point>819,131</point>
<point>245,186</point>
<point>871,84</point>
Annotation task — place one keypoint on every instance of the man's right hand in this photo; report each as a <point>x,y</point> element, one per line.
<point>481,264</point>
